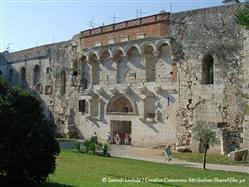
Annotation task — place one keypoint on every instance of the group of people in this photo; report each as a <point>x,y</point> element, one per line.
<point>119,138</point>
<point>122,138</point>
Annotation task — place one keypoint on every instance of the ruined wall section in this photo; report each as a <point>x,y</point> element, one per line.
<point>65,105</point>
<point>210,31</point>
<point>52,60</point>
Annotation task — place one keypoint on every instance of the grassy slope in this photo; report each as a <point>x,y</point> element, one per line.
<point>76,170</point>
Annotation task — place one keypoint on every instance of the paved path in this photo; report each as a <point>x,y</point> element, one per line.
<point>155,155</point>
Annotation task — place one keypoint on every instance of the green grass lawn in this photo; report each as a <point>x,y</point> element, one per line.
<point>82,170</point>
<point>211,158</point>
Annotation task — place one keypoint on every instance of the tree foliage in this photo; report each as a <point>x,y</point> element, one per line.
<point>205,136</point>
<point>28,147</point>
<point>242,16</point>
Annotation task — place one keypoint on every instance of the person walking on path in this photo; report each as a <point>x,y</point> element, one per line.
<point>167,153</point>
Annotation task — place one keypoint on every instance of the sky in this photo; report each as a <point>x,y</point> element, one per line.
<point>29,23</point>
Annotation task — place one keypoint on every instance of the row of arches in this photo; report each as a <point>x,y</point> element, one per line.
<point>156,62</point>
<point>23,78</point>
<point>129,50</point>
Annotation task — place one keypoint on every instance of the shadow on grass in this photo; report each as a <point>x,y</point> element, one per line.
<point>51,184</point>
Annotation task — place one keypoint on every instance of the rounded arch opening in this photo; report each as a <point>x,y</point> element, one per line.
<point>208,69</point>
<point>105,54</point>
<point>23,75</point>
<point>36,74</point>
<point>63,80</point>
<point>121,104</point>
<point>148,47</point>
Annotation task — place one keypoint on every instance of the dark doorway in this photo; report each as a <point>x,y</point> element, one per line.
<point>123,128</point>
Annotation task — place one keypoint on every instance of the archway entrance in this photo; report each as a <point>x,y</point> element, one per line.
<point>121,104</point>
<point>123,129</point>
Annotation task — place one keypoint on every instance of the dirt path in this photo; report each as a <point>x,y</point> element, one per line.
<point>155,155</point>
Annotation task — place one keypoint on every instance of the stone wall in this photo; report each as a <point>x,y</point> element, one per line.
<point>197,71</point>
<point>213,32</point>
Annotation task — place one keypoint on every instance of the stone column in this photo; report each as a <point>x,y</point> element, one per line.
<point>141,116</point>
<point>89,107</point>
<point>99,108</point>
<point>155,60</point>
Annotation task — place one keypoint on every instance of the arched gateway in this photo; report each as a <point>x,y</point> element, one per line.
<point>121,109</point>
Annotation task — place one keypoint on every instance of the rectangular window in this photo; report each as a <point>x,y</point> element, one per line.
<point>124,39</point>
<point>84,84</point>
<point>140,35</point>
<point>48,90</point>
<point>39,88</point>
<point>82,106</point>
<point>111,41</point>
<point>97,44</point>
<point>48,70</point>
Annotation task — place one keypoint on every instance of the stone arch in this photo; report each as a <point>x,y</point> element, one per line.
<point>106,66</point>
<point>23,75</point>
<point>207,69</point>
<point>146,45</point>
<point>83,58</point>
<point>93,55</point>
<point>160,43</point>
<point>85,75</point>
<point>150,61</point>
<point>105,54</point>
<point>165,61</point>
<point>36,76</point>
<point>118,52</point>
<point>63,79</point>
<point>129,48</point>
<point>121,103</point>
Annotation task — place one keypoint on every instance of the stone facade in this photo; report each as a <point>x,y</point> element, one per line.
<point>170,72</point>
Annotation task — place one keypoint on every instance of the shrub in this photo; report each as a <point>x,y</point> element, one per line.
<point>28,146</point>
<point>92,146</point>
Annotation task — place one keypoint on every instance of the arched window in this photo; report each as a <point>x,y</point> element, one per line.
<point>10,74</point>
<point>36,74</point>
<point>23,75</point>
<point>63,82</point>
<point>150,66</point>
<point>207,70</point>
<point>1,73</point>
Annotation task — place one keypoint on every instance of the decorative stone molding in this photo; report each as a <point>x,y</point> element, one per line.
<point>114,91</point>
<point>126,90</point>
<point>90,92</point>
<point>145,91</point>
<point>158,89</point>
<point>142,89</point>
<point>100,90</point>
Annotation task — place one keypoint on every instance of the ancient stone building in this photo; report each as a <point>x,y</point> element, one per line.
<point>153,77</point>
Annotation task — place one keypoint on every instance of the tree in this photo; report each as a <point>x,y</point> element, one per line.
<point>205,136</point>
<point>242,16</point>
<point>28,147</point>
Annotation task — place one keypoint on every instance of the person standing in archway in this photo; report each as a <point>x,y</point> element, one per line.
<point>108,138</point>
